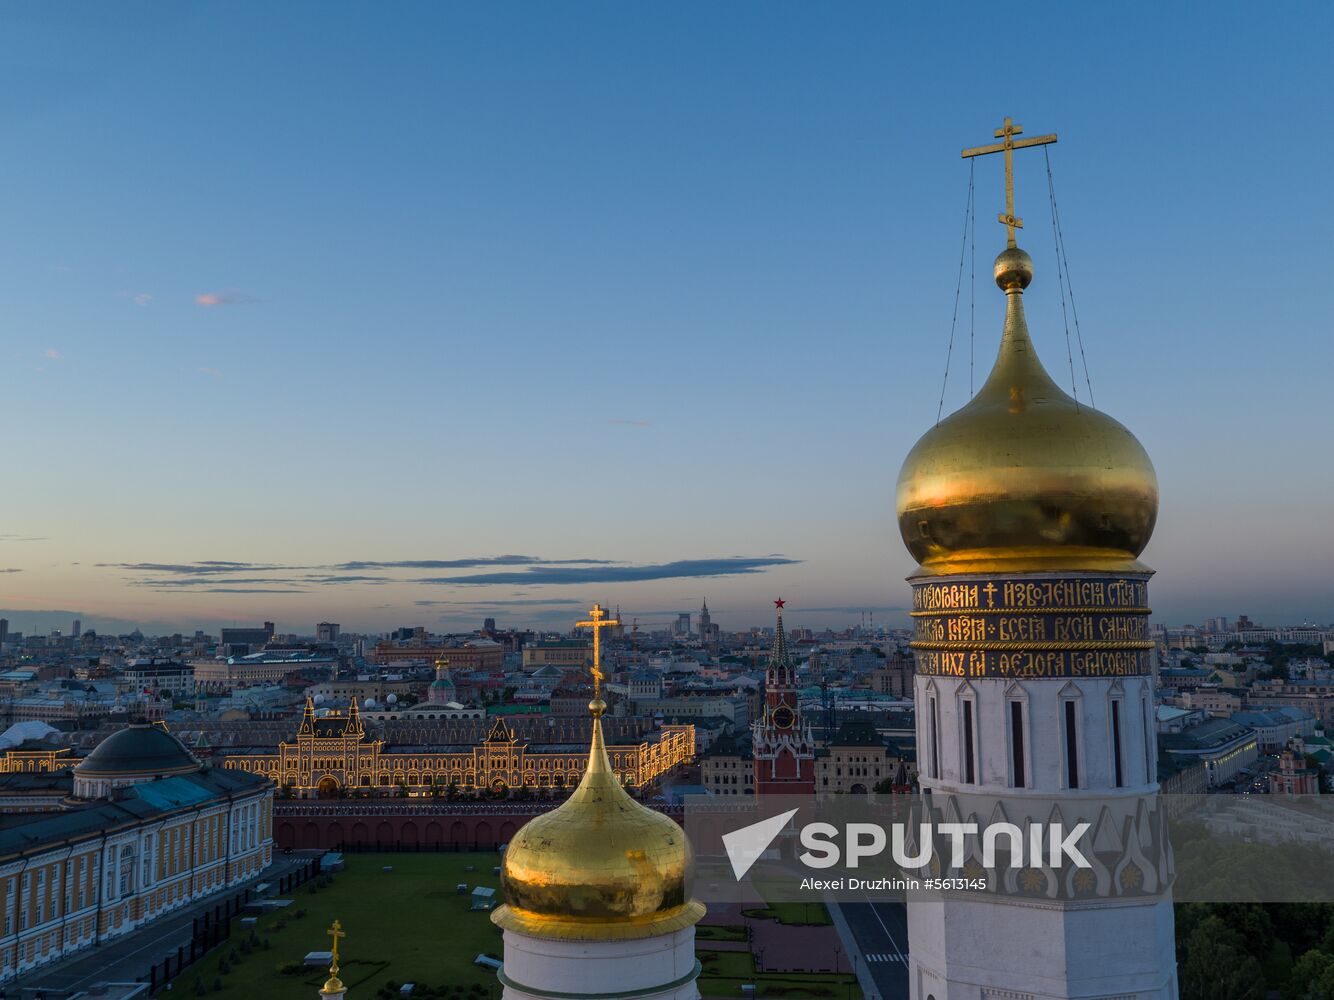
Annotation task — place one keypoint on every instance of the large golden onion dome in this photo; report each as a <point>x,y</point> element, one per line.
<point>1023,477</point>
<point>598,866</point>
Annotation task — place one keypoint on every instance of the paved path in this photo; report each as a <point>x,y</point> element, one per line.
<point>877,934</point>
<point>128,958</point>
<point>797,947</point>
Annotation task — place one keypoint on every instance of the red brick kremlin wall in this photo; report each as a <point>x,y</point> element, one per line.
<point>306,824</point>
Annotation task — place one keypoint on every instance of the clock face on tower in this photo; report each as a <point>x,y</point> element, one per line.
<point>783,717</point>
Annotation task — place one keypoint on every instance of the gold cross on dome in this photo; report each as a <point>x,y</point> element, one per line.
<point>1008,144</point>
<point>335,932</point>
<point>599,622</point>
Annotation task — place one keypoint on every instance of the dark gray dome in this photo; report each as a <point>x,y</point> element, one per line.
<point>138,749</point>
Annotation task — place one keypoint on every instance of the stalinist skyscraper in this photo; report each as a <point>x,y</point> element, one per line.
<point>1027,511</point>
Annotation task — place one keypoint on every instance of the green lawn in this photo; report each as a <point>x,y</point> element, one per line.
<point>720,932</point>
<point>724,973</point>
<point>408,925</point>
<point>792,913</point>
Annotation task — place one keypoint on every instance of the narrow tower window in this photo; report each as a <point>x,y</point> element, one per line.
<point>1017,742</point>
<point>935,740</point>
<point>969,768</point>
<point>1071,747</point>
<point>1148,741</point>
<point>1116,743</point>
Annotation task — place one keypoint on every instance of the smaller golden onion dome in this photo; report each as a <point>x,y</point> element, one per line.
<point>1023,477</point>
<point>599,866</point>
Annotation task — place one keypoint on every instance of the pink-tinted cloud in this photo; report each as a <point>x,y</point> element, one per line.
<point>142,299</point>
<point>204,370</point>
<point>54,354</point>
<point>227,297</point>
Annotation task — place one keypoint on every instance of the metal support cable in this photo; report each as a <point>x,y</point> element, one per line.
<point>1063,264</point>
<point>958,289</point>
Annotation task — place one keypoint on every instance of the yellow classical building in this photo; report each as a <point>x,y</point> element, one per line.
<point>144,829</point>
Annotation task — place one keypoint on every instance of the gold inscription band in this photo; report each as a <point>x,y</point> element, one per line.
<point>1020,645</point>
<point>1032,611</point>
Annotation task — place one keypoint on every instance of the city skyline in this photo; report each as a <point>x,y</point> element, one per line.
<point>353,310</point>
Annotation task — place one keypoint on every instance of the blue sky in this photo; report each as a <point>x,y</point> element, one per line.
<point>318,284</point>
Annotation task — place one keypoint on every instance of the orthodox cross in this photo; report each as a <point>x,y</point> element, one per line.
<point>1008,144</point>
<point>335,932</point>
<point>599,622</point>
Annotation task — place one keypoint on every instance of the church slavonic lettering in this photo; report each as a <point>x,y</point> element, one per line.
<point>1021,628</point>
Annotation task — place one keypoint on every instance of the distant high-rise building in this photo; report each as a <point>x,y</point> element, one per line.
<point>488,624</point>
<point>682,627</point>
<point>704,620</point>
<point>4,629</point>
<point>241,641</point>
<point>327,632</point>
<point>77,630</point>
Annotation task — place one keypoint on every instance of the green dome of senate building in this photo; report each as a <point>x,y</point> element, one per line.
<point>139,750</point>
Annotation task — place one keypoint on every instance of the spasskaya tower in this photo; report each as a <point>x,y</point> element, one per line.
<point>781,742</point>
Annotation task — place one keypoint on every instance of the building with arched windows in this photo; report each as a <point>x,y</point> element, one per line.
<point>333,754</point>
<point>137,829</point>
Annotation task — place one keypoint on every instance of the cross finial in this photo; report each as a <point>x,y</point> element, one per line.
<point>335,932</point>
<point>1008,144</point>
<point>600,620</point>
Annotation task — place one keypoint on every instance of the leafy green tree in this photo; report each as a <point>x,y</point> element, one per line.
<point>1214,965</point>
<point>1312,977</point>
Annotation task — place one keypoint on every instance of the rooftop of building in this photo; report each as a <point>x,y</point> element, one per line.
<point>857,733</point>
<point>1213,734</point>
<point>1278,716</point>
<point>24,832</point>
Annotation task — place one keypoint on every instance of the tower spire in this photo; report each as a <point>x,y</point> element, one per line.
<point>353,727</point>
<point>779,658</point>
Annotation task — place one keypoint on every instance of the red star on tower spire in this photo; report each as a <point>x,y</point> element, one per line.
<point>779,604</point>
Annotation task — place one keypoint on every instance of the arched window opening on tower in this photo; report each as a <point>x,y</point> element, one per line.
<point>1017,761</point>
<point>1071,727</point>
<point>969,744</point>
<point>935,740</point>
<point>1118,773</point>
<point>1148,741</point>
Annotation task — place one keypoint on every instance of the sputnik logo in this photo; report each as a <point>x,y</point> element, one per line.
<point>745,846</point>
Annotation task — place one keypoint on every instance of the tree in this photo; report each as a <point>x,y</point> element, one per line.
<point>1214,965</point>
<point>1312,977</point>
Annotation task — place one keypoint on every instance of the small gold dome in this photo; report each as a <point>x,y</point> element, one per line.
<point>1023,477</point>
<point>598,866</point>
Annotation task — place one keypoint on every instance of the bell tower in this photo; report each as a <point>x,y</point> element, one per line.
<point>1027,511</point>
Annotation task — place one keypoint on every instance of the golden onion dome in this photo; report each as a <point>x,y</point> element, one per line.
<point>1023,477</point>
<point>598,866</point>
